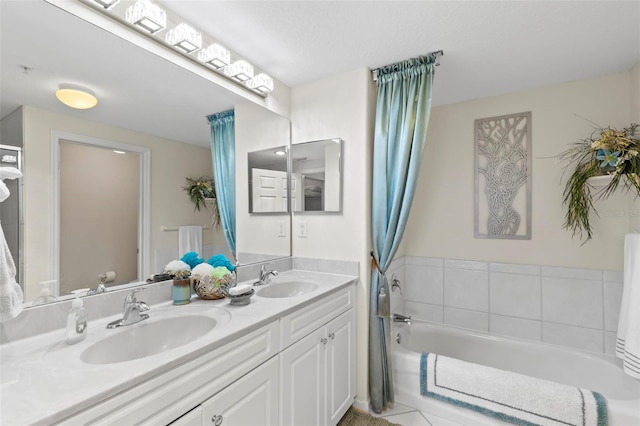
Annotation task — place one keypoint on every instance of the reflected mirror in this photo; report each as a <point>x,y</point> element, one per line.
<point>144,100</point>
<point>316,176</point>
<point>268,180</point>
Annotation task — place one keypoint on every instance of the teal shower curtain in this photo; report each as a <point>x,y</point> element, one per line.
<point>223,155</point>
<point>402,116</point>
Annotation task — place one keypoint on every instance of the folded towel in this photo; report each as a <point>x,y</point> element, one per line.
<point>508,396</point>
<point>628,334</point>
<point>189,239</point>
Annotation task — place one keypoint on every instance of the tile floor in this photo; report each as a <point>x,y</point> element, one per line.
<point>408,416</point>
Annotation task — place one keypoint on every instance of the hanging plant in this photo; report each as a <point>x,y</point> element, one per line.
<point>202,193</point>
<point>607,152</point>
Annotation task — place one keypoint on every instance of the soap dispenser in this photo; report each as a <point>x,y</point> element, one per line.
<point>76,321</point>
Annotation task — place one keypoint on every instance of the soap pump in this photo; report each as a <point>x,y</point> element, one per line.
<point>76,321</point>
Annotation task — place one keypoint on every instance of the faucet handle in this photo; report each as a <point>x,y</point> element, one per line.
<point>131,297</point>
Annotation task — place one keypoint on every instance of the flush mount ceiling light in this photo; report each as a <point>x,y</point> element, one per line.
<point>185,38</point>
<point>280,153</point>
<point>215,55</point>
<point>262,83</point>
<point>119,152</point>
<point>107,4</point>
<point>77,97</point>
<point>147,16</point>
<point>240,70</point>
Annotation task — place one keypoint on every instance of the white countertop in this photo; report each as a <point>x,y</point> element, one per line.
<point>43,380</point>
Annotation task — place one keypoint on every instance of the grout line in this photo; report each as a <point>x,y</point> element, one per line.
<point>425,417</point>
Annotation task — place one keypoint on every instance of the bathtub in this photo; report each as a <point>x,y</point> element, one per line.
<point>602,373</point>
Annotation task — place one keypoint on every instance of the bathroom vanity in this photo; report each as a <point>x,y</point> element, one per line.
<point>286,358</point>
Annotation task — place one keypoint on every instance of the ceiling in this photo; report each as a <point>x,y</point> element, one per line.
<point>491,48</point>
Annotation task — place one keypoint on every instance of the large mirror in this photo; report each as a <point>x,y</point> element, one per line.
<point>144,101</point>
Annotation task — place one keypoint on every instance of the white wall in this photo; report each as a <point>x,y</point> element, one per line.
<point>635,93</point>
<point>441,220</point>
<point>171,163</point>
<point>340,107</point>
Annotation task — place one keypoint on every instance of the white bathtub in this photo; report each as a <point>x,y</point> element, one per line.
<point>601,373</point>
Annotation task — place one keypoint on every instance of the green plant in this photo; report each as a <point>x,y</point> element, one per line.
<point>607,151</point>
<point>201,192</point>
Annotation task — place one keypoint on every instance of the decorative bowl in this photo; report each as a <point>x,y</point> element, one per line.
<point>208,288</point>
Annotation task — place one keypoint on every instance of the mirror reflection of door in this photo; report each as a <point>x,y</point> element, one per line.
<point>99,202</point>
<point>269,190</point>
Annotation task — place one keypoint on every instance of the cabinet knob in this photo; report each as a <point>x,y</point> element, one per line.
<point>332,336</point>
<point>217,419</point>
<point>324,340</point>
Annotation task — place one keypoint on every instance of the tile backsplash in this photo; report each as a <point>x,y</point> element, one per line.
<point>573,307</point>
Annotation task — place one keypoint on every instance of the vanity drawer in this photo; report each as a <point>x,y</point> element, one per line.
<point>162,399</point>
<point>304,321</point>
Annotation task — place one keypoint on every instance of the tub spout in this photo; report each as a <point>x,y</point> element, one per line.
<point>402,318</point>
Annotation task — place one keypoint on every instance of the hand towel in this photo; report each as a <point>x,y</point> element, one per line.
<point>189,239</point>
<point>628,335</point>
<point>11,296</point>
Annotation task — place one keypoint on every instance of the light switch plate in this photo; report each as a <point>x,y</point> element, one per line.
<point>302,229</point>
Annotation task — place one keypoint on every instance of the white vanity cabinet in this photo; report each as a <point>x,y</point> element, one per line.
<point>317,373</point>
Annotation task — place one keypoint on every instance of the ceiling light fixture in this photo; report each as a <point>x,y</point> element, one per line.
<point>119,152</point>
<point>240,70</point>
<point>146,15</point>
<point>75,96</point>
<point>215,55</point>
<point>107,4</point>
<point>185,38</point>
<point>280,153</point>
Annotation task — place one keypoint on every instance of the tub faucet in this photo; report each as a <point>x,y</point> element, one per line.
<point>132,310</point>
<point>264,276</point>
<point>402,318</point>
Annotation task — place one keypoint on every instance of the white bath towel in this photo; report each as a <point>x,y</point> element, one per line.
<point>628,336</point>
<point>189,239</point>
<point>508,396</point>
<point>10,292</point>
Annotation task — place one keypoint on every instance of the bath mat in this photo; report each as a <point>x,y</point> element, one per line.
<point>511,397</point>
<point>355,417</point>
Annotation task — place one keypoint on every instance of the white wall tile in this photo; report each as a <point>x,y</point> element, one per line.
<point>515,327</point>
<point>573,302</point>
<point>466,319</point>
<point>576,337</point>
<point>466,289</point>
<point>423,284</point>
<point>515,295</point>
<point>575,273</point>
<point>435,262</point>
<point>424,312</point>
<point>466,264</point>
<point>610,343</point>
<point>612,302</point>
<point>514,268</point>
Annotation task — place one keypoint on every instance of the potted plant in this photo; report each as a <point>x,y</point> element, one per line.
<point>202,193</point>
<point>607,152</point>
<point>181,273</point>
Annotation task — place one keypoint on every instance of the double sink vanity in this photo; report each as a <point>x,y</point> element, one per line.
<point>288,357</point>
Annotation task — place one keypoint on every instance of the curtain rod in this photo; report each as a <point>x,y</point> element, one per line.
<point>437,53</point>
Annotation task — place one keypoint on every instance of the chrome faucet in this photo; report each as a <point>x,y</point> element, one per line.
<point>395,283</point>
<point>264,276</point>
<point>132,310</point>
<point>402,318</point>
<point>101,287</point>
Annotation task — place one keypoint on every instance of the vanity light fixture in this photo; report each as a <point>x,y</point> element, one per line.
<point>146,15</point>
<point>215,55</point>
<point>107,4</point>
<point>262,83</point>
<point>77,97</point>
<point>240,70</point>
<point>185,38</point>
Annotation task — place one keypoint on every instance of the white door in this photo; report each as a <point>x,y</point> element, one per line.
<point>340,366</point>
<point>251,401</point>
<point>302,381</point>
<point>297,195</point>
<point>269,190</point>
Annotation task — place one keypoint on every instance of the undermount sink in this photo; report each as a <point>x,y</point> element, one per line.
<point>286,289</point>
<point>148,338</point>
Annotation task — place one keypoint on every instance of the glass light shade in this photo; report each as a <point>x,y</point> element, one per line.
<point>107,4</point>
<point>262,83</point>
<point>146,15</point>
<point>240,70</point>
<point>77,97</point>
<point>185,38</point>
<point>215,55</point>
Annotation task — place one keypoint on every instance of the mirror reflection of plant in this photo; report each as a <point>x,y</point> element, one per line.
<point>607,151</point>
<point>202,193</point>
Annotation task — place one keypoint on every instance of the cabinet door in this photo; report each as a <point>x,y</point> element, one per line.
<point>340,366</point>
<point>302,380</point>
<point>250,401</point>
